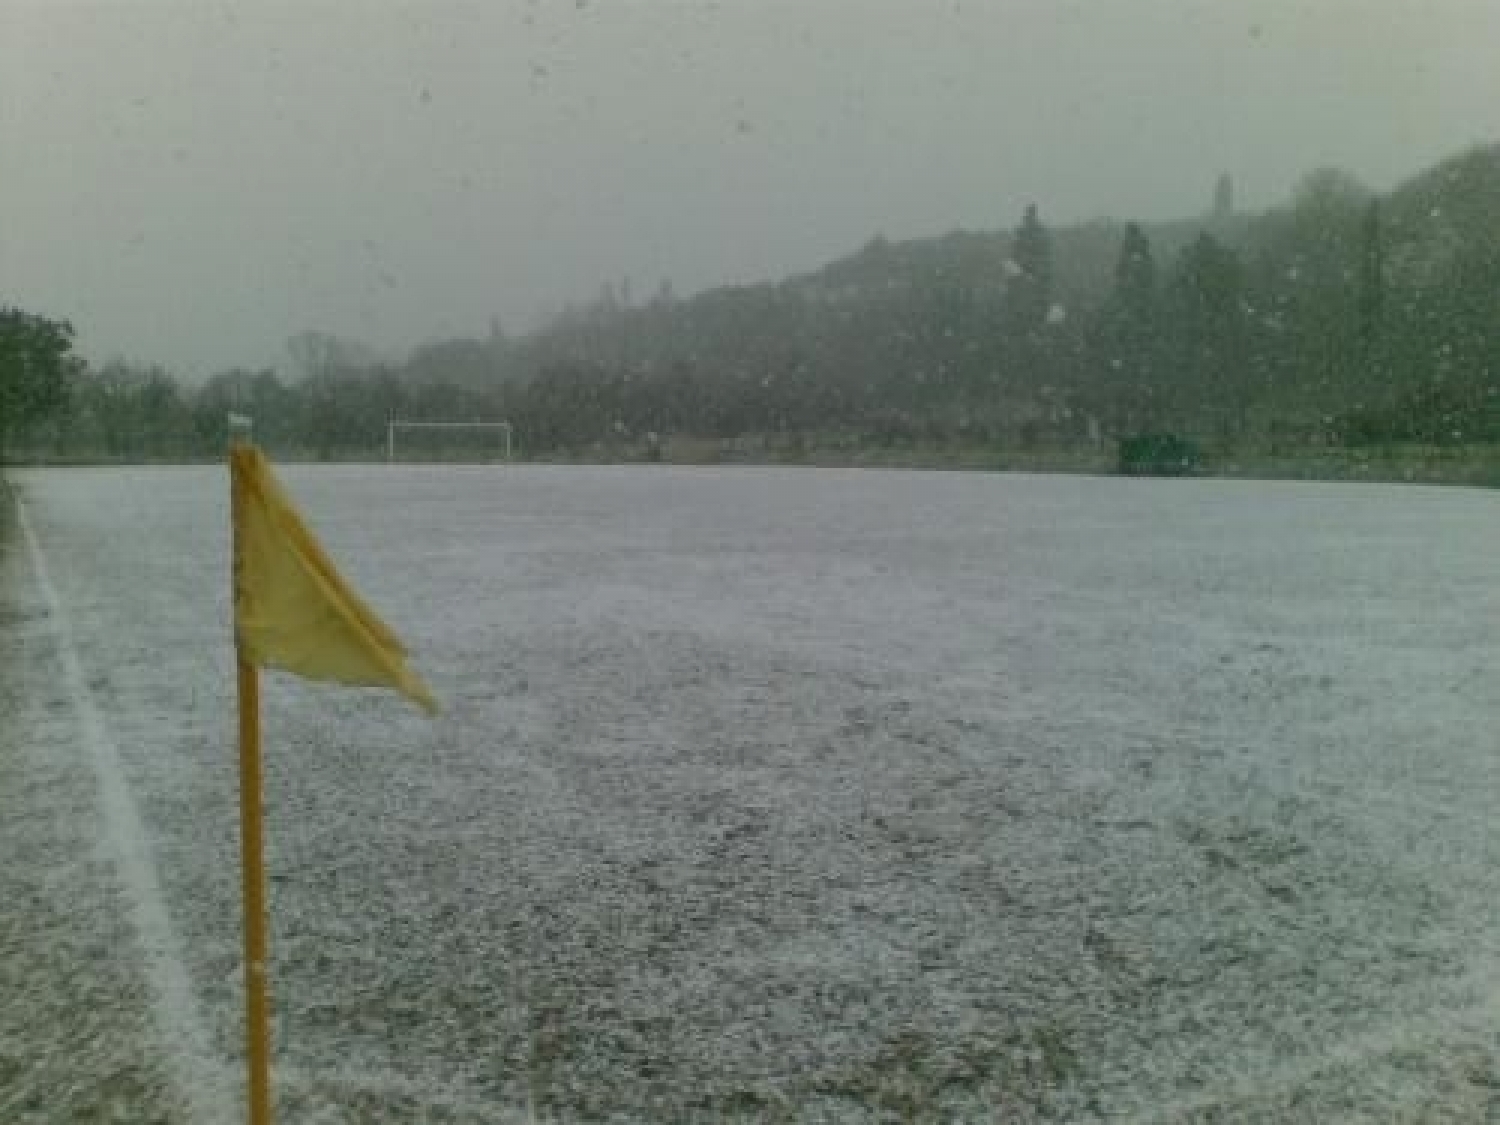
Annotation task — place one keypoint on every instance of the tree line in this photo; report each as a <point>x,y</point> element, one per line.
<point>1340,319</point>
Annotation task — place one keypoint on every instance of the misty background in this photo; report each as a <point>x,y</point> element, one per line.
<point>192,184</point>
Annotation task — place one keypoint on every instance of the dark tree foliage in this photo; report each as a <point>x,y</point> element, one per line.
<point>1029,294</point>
<point>1438,413</point>
<point>1135,276</point>
<point>1129,347</point>
<point>35,362</point>
<point>1208,319</point>
<point>1371,282</point>
<point>1223,198</point>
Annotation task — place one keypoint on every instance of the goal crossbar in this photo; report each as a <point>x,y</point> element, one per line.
<point>394,424</point>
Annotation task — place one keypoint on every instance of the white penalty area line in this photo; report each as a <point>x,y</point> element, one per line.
<point>198,1076</point>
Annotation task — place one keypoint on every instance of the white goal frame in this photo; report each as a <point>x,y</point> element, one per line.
<point>394,424</point>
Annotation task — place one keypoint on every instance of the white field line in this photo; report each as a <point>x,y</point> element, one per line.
<point>199,1077</point>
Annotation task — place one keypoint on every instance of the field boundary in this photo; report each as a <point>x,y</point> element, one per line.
<point>200,1078</point>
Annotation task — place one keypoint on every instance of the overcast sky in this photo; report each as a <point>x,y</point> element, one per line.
<point>192,183</point>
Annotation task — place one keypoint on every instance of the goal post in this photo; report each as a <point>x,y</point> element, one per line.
<point>503,431</point>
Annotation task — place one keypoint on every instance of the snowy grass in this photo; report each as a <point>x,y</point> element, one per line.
<point>780,795</point>
<point>179,1024</point>
<point>77,1041</point>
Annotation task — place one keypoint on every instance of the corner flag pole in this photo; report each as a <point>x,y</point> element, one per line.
<point>294,611</point>
<point>252,851</point>
<point>253,883</point>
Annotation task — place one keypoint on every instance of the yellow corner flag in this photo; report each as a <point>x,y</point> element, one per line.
<point>292,608</point>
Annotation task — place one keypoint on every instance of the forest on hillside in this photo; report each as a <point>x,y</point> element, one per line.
<point>1341,322</point>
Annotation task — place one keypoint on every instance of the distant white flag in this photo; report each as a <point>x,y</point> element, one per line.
<point>239,422</point>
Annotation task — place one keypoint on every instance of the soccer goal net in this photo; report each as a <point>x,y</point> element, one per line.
<point>448,441</point>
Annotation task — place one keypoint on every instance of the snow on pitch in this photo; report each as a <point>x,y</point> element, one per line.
<point>833,792</point>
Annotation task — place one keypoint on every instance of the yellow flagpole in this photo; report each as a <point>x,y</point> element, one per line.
<point>253,879</point>
<point>252,855</point>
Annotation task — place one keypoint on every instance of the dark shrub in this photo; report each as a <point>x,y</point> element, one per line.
<point>1158,455</point>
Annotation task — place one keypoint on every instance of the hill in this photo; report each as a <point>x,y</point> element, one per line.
<point>1339,322</point>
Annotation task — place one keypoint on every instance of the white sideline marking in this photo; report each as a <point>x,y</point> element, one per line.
<point>197,1075</point>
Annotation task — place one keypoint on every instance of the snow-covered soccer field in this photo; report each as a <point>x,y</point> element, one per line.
<point>798,795</point>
